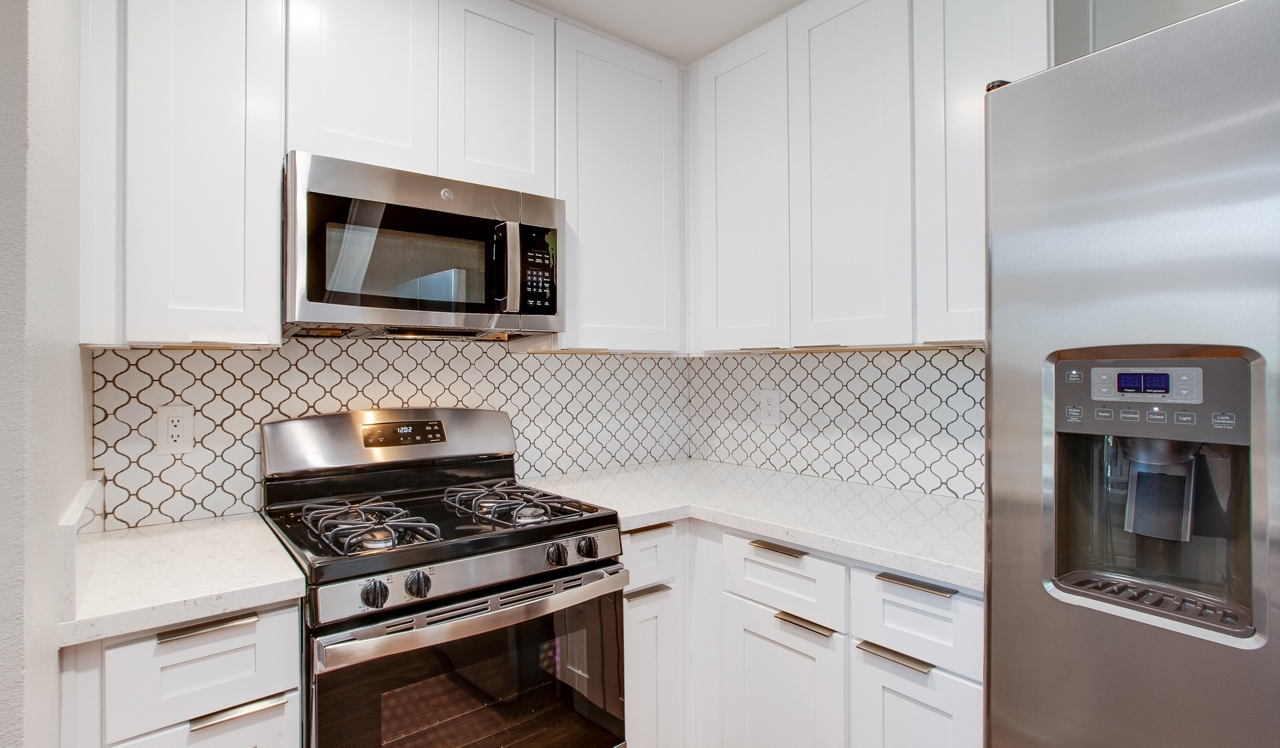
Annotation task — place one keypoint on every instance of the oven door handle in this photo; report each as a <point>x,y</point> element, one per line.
<point>342,654</point>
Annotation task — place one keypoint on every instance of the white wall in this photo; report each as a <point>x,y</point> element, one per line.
<point>43,398</point>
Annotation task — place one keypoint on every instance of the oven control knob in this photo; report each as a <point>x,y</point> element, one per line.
<point>588,547</point>
<point>374,594</point>
<point>557,554</point>
<point>417,584</point>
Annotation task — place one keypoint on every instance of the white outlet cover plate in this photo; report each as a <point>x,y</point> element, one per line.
<point>769,410</point>
<point>181,441</point>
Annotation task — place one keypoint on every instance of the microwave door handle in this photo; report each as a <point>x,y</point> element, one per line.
<point>512,303</point>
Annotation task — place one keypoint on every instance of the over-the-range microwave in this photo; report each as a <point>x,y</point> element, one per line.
<point>378,252</point>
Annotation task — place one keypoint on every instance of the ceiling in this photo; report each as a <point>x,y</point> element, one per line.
<point>683,30</point>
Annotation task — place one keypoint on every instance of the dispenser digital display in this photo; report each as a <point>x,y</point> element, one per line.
<point>1151,384</point>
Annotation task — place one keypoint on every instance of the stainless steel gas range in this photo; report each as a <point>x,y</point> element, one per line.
<point>447,605</point>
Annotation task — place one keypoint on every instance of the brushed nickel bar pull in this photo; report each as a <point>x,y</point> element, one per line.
<point>236,712</point>
<point>647,591</point>
<point>920,666</point>
<point>804,624</point>
<point>646,528</point>
<point>205,628</point>
<point>784,550</point>
<point>916,584</point>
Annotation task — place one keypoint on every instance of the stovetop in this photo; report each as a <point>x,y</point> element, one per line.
<point>342,537</point>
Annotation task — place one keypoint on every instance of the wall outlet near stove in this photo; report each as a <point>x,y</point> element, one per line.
<point>769,411</point>
<point>174,427</point>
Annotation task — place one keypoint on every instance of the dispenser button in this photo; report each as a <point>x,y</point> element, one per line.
<point>1075,413</point>
<point>1157,416</point>
<point>1184,391</point>
<point>1185,419</point>
<point>1224,420</point>
<point>1075,377</point>
<point>1129,415</point>
<point>1104,414</point>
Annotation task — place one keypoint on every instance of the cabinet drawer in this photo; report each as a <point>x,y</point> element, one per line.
<point>652,555</point>
<point>945,631</point>
<point>893,705</point>
<point>273,722</point>
<point>786,578</point>
<point>186,673</point>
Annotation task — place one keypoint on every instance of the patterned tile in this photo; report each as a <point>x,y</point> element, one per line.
<point>904,419</point>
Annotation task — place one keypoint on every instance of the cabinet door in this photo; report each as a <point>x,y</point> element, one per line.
<point>783,684</point>
<point>653,632</point>
<point>851,232</point>
<point>204,159</point>
<point>892,706</point>
<point>742,174</point>
<point>273,722</point>
<point>618,171</point>
<point>959,48</point>
<point>362,80</point>
<point>497,95</point>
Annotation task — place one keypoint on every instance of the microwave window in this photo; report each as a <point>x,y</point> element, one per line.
<point>367,253</point>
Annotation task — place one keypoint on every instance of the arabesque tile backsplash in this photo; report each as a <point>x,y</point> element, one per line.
<point>906,419</point>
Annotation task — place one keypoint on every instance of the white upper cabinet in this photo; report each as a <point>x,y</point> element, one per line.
<point>851,217</point>
<point>362,80</point>
<point>497,95</point>
<point>959,48</point>
<point>743,244</point>
<point>618,171</point>
<point>203,164</point>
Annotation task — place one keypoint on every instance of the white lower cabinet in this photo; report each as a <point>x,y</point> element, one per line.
<point>273,722</point>
<point>653,629</point>
<point>784,684</point>
<point>894,706</point>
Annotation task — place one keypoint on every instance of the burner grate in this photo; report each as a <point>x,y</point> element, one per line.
<point>371,525</point>
<point>511,505</point>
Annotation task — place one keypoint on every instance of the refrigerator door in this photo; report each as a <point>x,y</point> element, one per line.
<point>1134,199</point>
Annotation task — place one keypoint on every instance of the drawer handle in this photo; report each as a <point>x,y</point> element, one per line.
<point>804,624</point>
<point>206,628</point>
<point>920,666</point>
<point>792,552</point>
<point>647,528</point>
<point>916,584</point>
<point>647,591</point>
<point>236,712</point>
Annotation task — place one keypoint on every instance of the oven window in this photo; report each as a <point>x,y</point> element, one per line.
<point>367,253</point>
<point>553,681</point>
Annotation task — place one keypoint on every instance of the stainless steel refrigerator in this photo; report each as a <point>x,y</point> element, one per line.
<point>1133,407</point>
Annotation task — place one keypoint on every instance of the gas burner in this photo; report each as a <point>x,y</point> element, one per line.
<point>370,525</point>
<point>511,504</point>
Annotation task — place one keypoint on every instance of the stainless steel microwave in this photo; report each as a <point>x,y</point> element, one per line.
<point>377,252</point>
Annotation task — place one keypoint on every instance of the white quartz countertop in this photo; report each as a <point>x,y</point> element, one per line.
<point>162,575</point>
<point>937,537</point>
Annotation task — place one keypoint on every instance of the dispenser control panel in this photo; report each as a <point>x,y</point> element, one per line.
<point>1203,400</point>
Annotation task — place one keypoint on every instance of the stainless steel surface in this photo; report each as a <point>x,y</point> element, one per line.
<point>244,710</point>
<point>646,528</point>
<point>782,549</point>
<point>309,173</point>
<point>462,620</point>
<point>647,591</point>
<point>207,627</point>
<point>893,655</point>
<point>804,623</point>
<point>916,584</point>
<point>342,600</point>
<point>332,442</point>
<point>512,302</point>
<point>1133,197</point>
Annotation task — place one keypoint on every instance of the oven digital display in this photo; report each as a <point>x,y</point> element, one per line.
<point>402,434</point>
<point>1150,384</point>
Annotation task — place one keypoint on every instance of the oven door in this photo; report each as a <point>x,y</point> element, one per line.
<point>536,666</point>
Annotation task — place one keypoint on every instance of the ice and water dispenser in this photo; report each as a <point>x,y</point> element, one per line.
<point>1152,502</point>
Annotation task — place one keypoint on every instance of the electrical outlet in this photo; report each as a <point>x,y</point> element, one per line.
<point>769,412</point>
<point>174,426</point>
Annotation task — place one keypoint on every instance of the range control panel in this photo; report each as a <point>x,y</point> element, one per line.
<point>1205,400</point>
<point>402,434</point>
